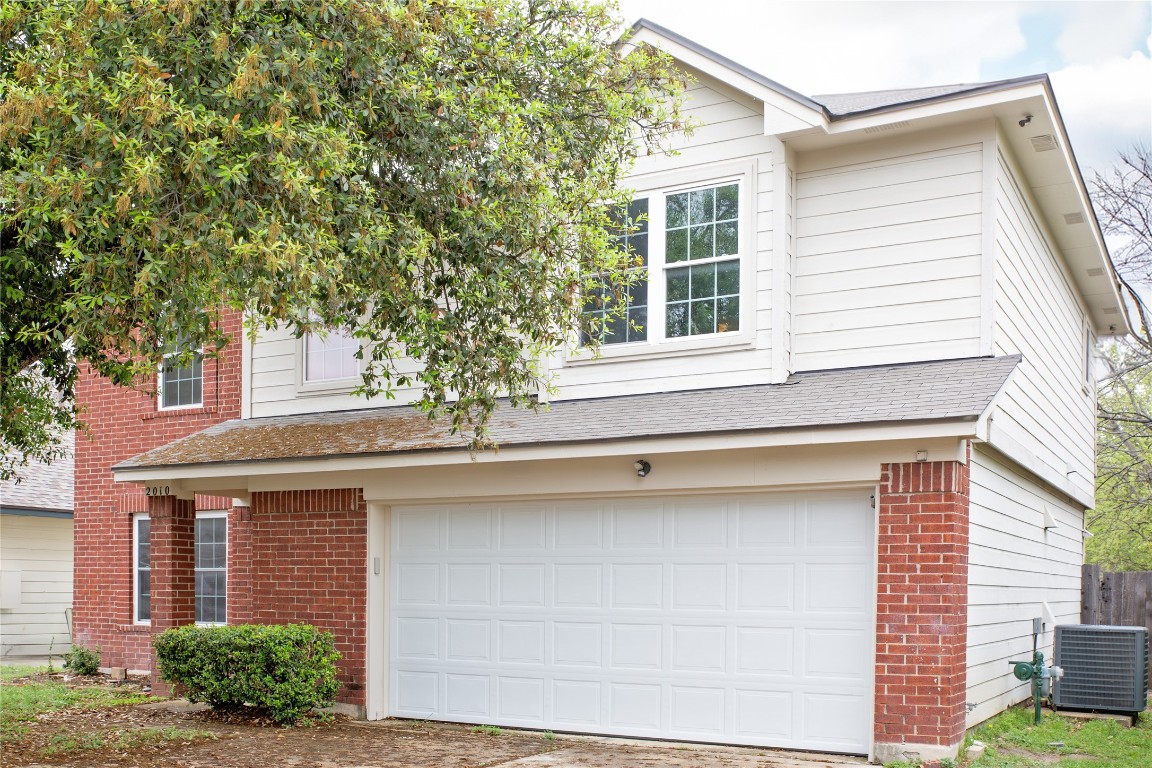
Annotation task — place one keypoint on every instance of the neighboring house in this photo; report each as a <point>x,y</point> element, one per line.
<point>863,390</point>
<point>36,559</point>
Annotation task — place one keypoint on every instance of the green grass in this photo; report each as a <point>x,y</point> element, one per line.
<point>20,704</point>
<point>17,671</point>
<point>1014,742</point>
<point>62,743</point>
<point>487,730</point>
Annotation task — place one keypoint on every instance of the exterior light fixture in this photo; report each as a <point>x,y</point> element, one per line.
<point>642,467</point>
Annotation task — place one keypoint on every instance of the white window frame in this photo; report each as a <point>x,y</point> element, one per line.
<point>139,516</point>
<point>656,188</point>
<point>160,385</point>
<point>322,386</point>
<point>207,515</point>
<point>136,518</point>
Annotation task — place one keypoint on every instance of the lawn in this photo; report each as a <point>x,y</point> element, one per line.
<point>1063,742</point>
<point>20,704</point>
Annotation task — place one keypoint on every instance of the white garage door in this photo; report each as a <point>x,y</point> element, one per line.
<point>735,619</point>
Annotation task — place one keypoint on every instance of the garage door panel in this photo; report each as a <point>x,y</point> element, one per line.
<point>599,616</point>
<point>637,526</point>
<point>700,525</point>
<point>767,524</point>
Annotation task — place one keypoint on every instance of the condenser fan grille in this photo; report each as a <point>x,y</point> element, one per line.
<point>1105,668</point>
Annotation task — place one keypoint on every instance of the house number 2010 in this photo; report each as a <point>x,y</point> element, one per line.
<point>157,490</point>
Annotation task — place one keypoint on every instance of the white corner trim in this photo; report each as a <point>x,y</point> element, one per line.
<point>781,264</point>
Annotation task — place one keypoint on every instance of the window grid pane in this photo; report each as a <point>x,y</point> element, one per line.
<point>331,357</point>
<point>703,224</point>
<point>632,324</point>
<point>143,569</point>
<point>211,570</point>
<point>182,386</point>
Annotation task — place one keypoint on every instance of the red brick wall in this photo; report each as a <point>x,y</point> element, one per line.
<point>121,423</point>
<point>922,597</point>
<point>309,554</point>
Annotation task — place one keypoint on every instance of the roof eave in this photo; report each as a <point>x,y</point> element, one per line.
<point>961,426</point>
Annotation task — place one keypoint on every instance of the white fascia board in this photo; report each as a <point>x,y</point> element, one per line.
<point>809,436</point>
<point>944,106</point>
<point>781,113</point>
<point>1085,203</point>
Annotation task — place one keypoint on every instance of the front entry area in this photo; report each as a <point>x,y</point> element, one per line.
<point>742,619</point>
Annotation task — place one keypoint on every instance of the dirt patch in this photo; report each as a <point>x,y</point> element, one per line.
<point>236,743</point>
<point>125,737</point>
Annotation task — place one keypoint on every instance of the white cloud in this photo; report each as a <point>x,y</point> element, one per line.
<point>1096,32</point>
<point>1104,87</point>
<point>1107,107</point>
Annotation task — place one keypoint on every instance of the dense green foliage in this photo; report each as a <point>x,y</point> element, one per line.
<point>286,670</point>
<point>1121,522</point>
<point>434,175</point>
<point>82,661</point>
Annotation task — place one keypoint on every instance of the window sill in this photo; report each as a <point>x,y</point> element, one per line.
<point>171,413</point>
<point>643,350</point>
<point>333,387</point>
<point>135,629</point>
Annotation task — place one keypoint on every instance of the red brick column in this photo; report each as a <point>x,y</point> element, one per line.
<point>922,609</point>
<point>173,568</point>
<point>240,565</point>
<point>309,565</point>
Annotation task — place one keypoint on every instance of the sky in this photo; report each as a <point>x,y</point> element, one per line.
<point>1095,51</point>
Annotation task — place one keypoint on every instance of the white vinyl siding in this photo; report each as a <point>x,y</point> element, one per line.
<point>36,557</point>
<point>888,254</point>
<point>1014,567</point>
<point>729,132</point>
<point>1046,408</point>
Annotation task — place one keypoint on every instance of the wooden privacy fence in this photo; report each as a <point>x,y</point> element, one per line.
<point>1120,599</point>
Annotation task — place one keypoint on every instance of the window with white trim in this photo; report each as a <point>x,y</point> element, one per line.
<point>211,564</point>
<point>330,356</point>
<point>181,382</point>
<point>689,243</point>
<point>211,567</point>
<point>141,569</point>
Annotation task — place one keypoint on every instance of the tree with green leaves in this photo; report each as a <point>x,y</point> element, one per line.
<point>1121,522</point>
<point>435,175</point>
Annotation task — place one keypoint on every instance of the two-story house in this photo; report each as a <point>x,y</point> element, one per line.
<point>813,498</point>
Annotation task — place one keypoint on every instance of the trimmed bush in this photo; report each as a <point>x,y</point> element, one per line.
<point>82,661</point>
<point>285,670</point>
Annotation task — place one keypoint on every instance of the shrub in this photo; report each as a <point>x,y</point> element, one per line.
<point>82,661</point>
<point>285,670</point>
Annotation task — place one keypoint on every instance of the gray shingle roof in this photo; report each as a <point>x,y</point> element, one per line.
<point>845,104</point>
<point>948,390</point>
<point>43,486</point>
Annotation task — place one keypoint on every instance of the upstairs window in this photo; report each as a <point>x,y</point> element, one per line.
<point>632,324</point>
<point>702,261</point>
<point>330,356</point>
<point>181,384</point>
<point>689,246</point>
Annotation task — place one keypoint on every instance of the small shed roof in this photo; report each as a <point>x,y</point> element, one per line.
<point>43,487</point>
<point>949,390</point>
